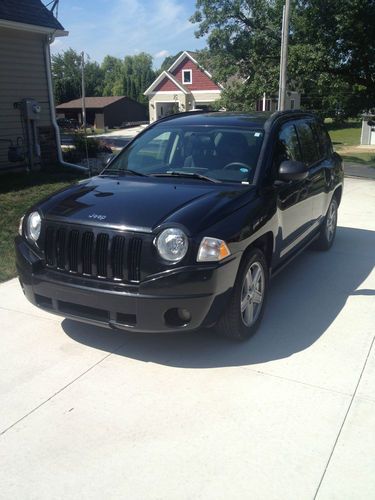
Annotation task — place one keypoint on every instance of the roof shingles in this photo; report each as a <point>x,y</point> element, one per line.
<point>92,102</point>
<point>28,12</point>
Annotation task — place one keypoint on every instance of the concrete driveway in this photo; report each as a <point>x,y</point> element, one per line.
<point>90,414</point>
<point>120,137</point>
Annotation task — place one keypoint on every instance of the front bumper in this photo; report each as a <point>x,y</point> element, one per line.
<point>149,306</point>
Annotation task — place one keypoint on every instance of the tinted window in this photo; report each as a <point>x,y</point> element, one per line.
<point>150,153</point>
<point>325,145</point>
<point>308,142</point>
<point>222,153</point>
<point>287,147</point>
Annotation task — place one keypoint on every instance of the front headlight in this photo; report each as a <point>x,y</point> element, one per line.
<point>212,250</point>
<point>34,224</point>
<point>172,244</point>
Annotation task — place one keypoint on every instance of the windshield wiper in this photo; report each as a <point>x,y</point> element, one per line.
<point>190,175</point>
<point>123,172</point>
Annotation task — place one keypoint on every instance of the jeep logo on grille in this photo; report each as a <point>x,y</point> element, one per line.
<point>97,216</point>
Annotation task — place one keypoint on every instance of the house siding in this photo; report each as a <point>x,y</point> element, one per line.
<point>200,81</point>
<point>120,112</point>
<point>166,85</point>
<point>124,111</point>
<point>22,75</point>
<point>179,98</point>
<point>205,97</point>
<point>164,97</point>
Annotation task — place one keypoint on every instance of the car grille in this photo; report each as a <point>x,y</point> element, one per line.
<point>93,253</point>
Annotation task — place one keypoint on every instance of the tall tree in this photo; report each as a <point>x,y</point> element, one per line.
<point>130,76</point>
<point>332,50</point>
<point>112,69</point>
<point>66,75</point>
<point>66,72</point>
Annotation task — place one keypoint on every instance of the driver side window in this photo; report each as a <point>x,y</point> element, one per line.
<point>286,148</point>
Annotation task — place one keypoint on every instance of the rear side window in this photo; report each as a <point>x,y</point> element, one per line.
<point>325,145</point>
<point>308,141</point>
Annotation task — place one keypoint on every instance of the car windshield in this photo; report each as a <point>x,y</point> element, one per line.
<point>220,154</point>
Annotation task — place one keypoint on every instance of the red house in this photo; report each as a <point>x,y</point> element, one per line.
<point>184,87</point>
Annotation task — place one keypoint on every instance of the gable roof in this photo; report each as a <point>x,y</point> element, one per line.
<point>168,74</point>
<point>190,55</point>
<point>93,102</point>
<point>160,78</point>
<point>29,12</point>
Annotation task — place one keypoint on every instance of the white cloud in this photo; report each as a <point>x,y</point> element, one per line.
<point>121,27</point>
<point>161,54</point>
<point>56,43</point>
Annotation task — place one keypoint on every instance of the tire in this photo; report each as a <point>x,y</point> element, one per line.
<point>239,322</point>
<point>328,230</point>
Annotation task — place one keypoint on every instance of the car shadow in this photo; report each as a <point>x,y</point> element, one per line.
<point>304,300</point>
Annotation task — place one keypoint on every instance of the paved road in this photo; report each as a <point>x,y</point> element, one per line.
<point>90,414</point>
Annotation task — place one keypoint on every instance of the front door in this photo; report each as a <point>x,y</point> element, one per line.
<point>165,109</point>
<point>293,202</point>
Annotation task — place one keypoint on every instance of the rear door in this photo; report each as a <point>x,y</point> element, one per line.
<point>317,161</point>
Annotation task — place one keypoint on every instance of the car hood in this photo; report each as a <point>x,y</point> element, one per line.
<point>145,204</point>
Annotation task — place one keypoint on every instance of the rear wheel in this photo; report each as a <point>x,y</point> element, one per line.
<point>328,229</point>
<point>245,309</point>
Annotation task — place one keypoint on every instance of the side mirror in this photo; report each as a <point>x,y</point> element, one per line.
<point>291,170</point>
<point>371,123</point>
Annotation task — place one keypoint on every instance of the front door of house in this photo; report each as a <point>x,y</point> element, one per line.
<point>165,108</point>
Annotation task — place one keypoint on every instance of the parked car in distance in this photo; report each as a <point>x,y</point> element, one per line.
<point>68,123</point>
<point>185,227</point>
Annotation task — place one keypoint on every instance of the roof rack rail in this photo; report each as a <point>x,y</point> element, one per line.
<point>183,113</point>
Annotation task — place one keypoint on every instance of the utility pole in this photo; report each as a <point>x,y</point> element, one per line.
<point>83,93</point>
<point>84,111</point>
<point>284,56</point>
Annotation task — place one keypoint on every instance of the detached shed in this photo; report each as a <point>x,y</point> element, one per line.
<point>101,112</point>
<point>368,129</point>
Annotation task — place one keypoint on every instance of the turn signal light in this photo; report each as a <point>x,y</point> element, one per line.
<point>212,250</point>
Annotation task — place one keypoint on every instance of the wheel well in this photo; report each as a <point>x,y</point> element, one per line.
<point>337,194</point>
<point>264,243</point>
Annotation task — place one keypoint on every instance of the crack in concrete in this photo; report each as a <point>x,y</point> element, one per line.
<point>60,390</point>
<point>344,421</point>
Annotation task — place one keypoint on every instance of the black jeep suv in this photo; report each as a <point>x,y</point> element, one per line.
<point>184,228</point>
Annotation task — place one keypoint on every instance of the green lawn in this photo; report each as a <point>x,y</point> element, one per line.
<point>347,134</point>
<point>367,159</point>
<point>17,193</point>
<point>346,139</point>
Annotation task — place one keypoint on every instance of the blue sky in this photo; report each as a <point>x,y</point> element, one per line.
<point>126,27</point>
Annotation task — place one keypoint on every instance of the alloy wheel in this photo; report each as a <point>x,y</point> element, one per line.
<point>331,220</point>
<point>252,294</point>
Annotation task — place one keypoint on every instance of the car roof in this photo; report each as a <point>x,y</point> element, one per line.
<point>217,118</point>
<point>231,119</point>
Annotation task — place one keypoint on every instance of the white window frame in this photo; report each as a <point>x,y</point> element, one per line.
<point>183,76</point>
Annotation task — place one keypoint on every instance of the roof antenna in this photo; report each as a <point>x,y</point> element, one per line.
<point>55,5</point>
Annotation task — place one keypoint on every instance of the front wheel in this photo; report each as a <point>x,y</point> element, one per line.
<point>245,310</point>
<point>328,229</point>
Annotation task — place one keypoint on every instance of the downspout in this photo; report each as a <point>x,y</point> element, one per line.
<point>63,163</point>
